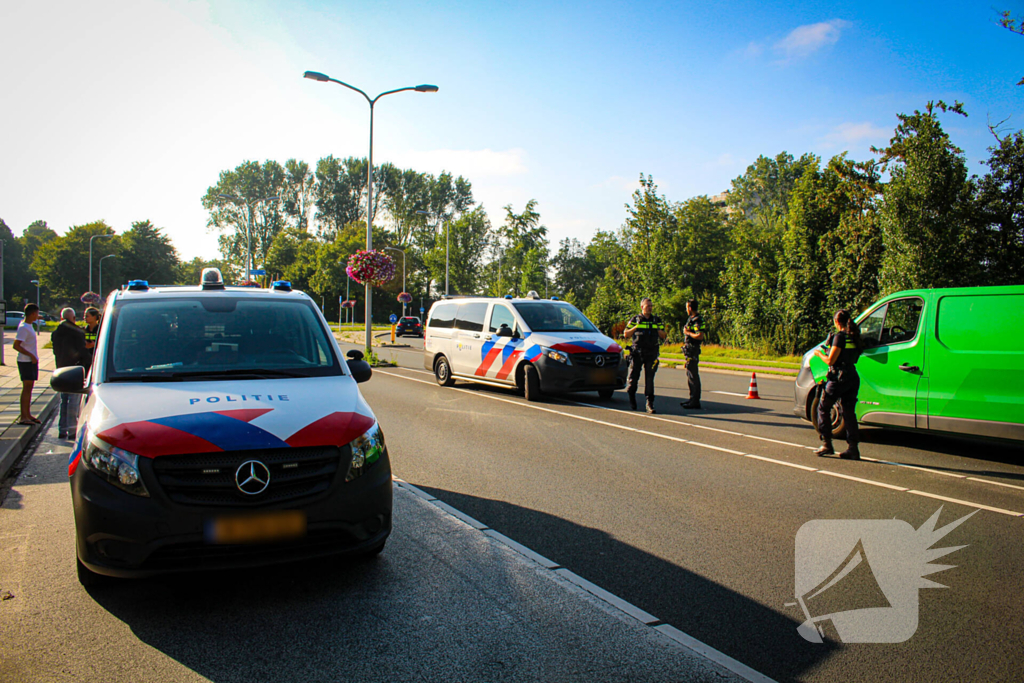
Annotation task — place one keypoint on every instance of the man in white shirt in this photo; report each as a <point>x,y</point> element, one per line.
<point>28,361</point>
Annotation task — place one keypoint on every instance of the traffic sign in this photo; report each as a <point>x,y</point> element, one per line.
<point>393,319</point>
<point>257,271</point>
<point>421,310</point>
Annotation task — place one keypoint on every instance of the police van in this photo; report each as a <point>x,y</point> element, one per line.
<point>538,346</point>
<point>220,428</point>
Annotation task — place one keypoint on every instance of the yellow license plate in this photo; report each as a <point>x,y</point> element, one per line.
<point>258,528</point>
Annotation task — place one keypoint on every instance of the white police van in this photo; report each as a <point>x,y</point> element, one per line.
<point>221,428</point>
<point>539,346</point>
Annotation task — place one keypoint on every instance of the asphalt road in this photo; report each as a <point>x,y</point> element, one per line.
<point>693,516</point>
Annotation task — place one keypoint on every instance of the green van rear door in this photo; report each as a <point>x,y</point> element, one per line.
<point>893,363</point>
<point>976,366</point>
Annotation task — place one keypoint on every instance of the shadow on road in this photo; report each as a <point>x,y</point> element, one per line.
<point>758,636</point>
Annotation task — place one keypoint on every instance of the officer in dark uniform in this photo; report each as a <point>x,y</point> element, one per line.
<point>694,331</point>
<point>841,385</point>
<point>92,328</point>
<point>647,333</point>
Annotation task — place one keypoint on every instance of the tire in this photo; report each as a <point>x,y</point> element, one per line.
<point>605,394</point>
<point>443,372</point>
<point>531,383</point>
<point>373,552</point>
<point>838,425</point>
<point>89,578</point>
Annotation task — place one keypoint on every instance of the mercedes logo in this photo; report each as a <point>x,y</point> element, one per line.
<point>252,477</point>
<point>599,361</point>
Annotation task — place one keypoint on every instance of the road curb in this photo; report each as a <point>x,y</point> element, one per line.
<point>16,438</point>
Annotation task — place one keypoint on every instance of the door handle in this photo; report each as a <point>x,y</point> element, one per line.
<point>476,336</point>
<point>907,367</point>
<point>487,337</point>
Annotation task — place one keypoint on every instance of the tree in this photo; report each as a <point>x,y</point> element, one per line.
<point>147,254</point>
<point>36,235</point>
<point>648,225</point>
<point>236,209</point>
<point>62,264</point>
<point>17,280</point>
<point>928,231</point>
<point>293,257</point>
<point>697,248</point>
<point>1007,21</point>
<point>190,272</point>
<point>520,248</point>
<point>1000,207</point>
<point>468,242</point>
<point>298,193</point>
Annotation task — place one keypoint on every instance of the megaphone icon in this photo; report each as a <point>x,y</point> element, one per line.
<point>851,586</point>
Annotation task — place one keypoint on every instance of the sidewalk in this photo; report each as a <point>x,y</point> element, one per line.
<point>14,438</point>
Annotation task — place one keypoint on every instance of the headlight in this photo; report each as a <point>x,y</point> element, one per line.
<point>117,466</point>
<point>556,355</point>
<point>366,450</point>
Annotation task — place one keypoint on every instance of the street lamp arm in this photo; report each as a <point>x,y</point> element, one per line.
<point>352,87</point>
<point>389,92</point>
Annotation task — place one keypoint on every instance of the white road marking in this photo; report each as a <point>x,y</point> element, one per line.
<point>627,608</point>
<point>917,467</point>
<point>716,448</point>
<point>998,483</point>
<point>727,393</point>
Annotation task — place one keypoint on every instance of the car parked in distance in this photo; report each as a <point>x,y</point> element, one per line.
<point>13,318</point>
<point>410,324</point>
<point>947,361</point>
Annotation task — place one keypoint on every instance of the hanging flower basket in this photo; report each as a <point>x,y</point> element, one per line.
<point>248,283</point>
<point>405,298</point>
<point>370,267</point>
<point>91,299</point>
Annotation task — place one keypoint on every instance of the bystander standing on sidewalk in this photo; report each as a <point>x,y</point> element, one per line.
<point>28,361</point>
<point>68,350</point>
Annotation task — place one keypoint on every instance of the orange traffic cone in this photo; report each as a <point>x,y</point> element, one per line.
<point>752,393</point>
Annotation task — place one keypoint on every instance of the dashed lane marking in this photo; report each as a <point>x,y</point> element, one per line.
<point>698,444</point>
<point>727,393</point>
<point>608,598</point>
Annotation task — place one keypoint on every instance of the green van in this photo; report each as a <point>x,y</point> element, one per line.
<point>940,360</point>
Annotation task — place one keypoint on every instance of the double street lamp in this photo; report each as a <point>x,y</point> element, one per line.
<point>249,206</point>
<point>323,78</point>
<point>101,274</point>
<point>90,256</point>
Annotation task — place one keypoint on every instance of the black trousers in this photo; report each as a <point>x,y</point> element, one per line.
<point>693,377</point>
<point>845,394</point>
<point>649,364</point>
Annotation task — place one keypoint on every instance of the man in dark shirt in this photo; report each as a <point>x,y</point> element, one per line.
<point>694,331</point>
<point>68,350</point>
<point>92,328</point>
<point>647,333</point>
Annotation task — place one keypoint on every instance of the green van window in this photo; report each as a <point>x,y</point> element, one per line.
<point>980,323</point>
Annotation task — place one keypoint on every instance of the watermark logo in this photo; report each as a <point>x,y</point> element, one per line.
<point>857,580</point>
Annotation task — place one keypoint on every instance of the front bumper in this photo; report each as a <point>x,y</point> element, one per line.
<point>559,378</point>
<point>123,535</point>
<point>802,389</point>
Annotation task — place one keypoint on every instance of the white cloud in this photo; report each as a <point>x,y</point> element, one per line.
<point>471,163</point>
<point>846,134</point>
<point>808,39</point>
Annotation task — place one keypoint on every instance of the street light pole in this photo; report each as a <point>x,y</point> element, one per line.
<point>444,226</point>
<point>323,78</point>
<point>36,283</point>
<point>101,274</point>
<point>403,274</point>
<point>90,256</point>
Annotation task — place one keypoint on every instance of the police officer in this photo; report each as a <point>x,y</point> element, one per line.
<point>647,333</point>
<point>841,385</point>
<point>694,331</point>
<point>92,328</point>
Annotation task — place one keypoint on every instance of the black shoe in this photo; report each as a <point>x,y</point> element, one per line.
<point>62,435</point>
<point>690,405</point>
<point>825,450</point>
<point>632,401</point>
<point>851,453</point>
<point>650,409</point>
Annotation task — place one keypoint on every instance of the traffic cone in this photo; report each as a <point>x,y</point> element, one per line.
<point>752,393</point>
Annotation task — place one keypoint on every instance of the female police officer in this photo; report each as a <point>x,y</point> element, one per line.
<point>841,385</point>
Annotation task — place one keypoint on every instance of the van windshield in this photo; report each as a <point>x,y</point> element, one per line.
<point>546,316</point>
<point>217,337</point>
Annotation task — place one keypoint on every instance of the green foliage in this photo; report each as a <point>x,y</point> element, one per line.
<point>520,250</point>
<point>62,264</point>
<point>930,238</point>
<point>1000,209</point>
<point>146,254</point>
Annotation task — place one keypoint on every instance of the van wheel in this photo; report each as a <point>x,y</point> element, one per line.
<point>605,394</point>
<point>443,372</point>
<point>836,417</point>
<point>531,383</point>
<point>89,578</point>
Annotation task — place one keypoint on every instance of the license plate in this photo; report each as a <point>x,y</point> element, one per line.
<point>257,528</point>
<point>603,376</point>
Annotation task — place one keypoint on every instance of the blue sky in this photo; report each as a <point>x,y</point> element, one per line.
<point>128,109</point>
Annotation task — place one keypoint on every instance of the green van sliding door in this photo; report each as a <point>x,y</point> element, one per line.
<point>977,365</point>
<point>893,363</point>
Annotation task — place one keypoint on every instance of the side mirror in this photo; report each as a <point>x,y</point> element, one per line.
<point>504,331</point>
<point>360,369</point>
<point>355,354</point>
<point>70,380</point>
